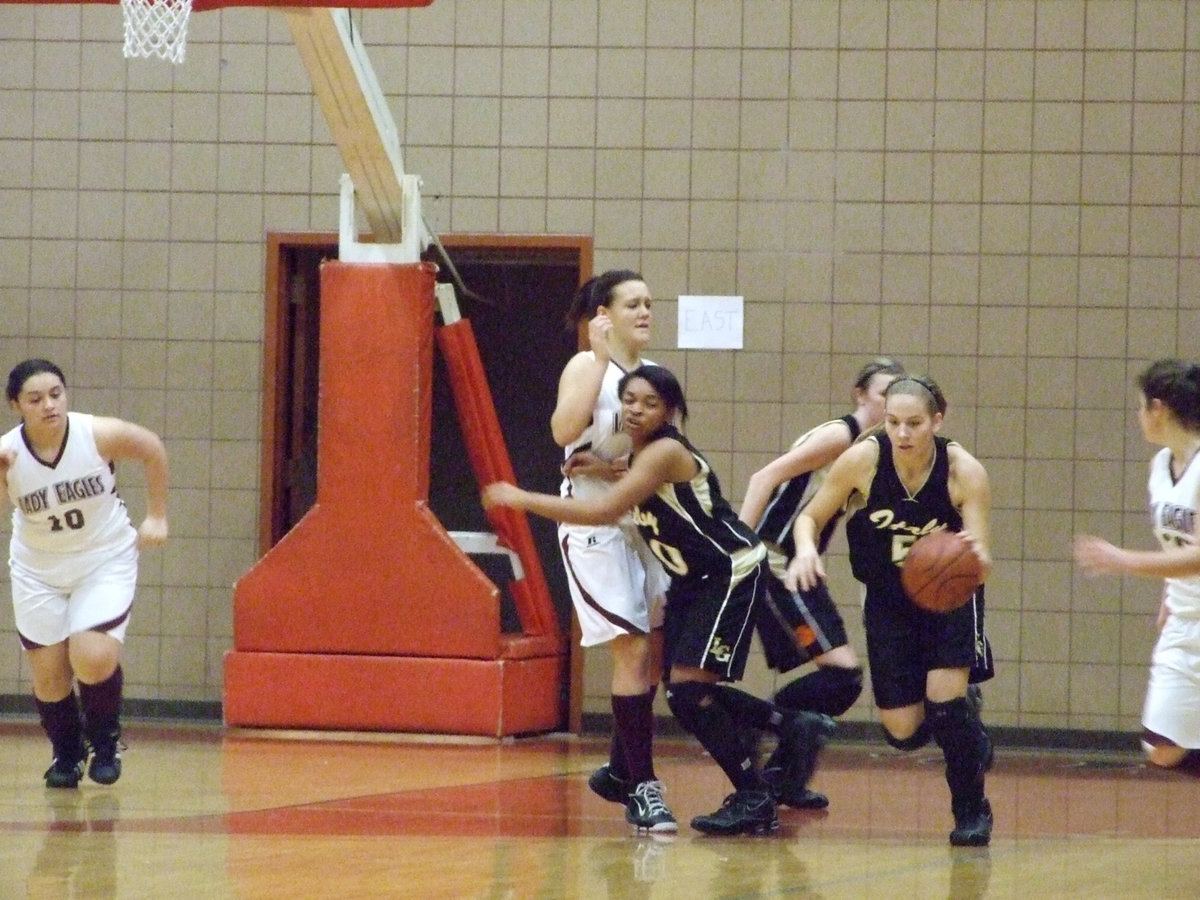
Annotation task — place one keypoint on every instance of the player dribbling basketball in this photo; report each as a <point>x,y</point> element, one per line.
<point>900,483</point>
<point>719,574</point>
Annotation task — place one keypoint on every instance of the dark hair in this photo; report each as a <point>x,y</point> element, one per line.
<point>665,384</point>
<point>921,386</point>
<point>596,292</point>
<point>23,371</point>
<point>1177,384</point>
<point>884,364</point>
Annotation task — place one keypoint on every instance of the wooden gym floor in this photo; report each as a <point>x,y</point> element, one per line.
<point>203,811</point>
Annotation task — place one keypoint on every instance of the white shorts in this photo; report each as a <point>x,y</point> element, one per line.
<point>1173,696</point>
<point>616,584</point>
<point>48,610</point>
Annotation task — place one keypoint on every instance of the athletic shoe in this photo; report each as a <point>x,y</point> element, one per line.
<point>802,799</point>
<point>63,773</point>
<point>610,786</point>
<point>972,825</point>
<point>798,749</point>
<point>785,796</point>
<point>646,810</point>
<point>743,812</point>
<point>105,765</point>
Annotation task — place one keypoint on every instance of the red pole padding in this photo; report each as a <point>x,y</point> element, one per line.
<point>488,454</point>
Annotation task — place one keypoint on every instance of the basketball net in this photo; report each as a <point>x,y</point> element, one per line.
<point>156,28</point>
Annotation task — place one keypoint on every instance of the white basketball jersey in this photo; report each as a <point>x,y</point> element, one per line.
<point>602,437</point>
<point>67,507</point>
<point>1173,510</point>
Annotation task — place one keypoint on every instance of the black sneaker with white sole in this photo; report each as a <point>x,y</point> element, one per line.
<point>743,812</point>
<point>647,811</point>
<point>64,772</point>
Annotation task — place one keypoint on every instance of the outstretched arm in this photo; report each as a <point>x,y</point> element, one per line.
<point>851,472</point>
<point>820,448</point>
<point>660,462</point>
<point>1097,556</point>
<point>117,439</point>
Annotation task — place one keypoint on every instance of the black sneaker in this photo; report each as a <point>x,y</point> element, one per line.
<point>610,786</point>
<point>802,799</point>
<point>798,749</point>
<point>972,825</point>
<point>785,796</point>
<point>64,773</point>
<point>105,765</point>
<point>743,812</point>
<point>646,810</point>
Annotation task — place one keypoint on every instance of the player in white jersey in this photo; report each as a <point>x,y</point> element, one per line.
<point>616,584</point>
<point>73,558</point>
<point>719,576</point>
<point>1169,415</point>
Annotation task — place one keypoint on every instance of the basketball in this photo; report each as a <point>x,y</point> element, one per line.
<point>941,571</point>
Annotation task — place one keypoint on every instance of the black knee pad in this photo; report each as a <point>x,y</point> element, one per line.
<point>685,699</point>
<point>830,690</point>
<point>953,722</point>
<point>915,741</point>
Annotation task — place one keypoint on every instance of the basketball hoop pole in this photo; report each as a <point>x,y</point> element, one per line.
<point>365,132</point>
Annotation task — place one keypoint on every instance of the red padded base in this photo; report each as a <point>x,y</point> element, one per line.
<point>495,698</point>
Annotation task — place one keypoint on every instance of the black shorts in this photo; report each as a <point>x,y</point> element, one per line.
<point>794,627</point>
<point>905,643</point>
<point>709,623</point>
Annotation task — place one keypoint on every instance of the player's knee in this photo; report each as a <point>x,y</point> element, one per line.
<point>830,690</point>
<point>843,685</point>
<point>914,741</point>
<point>687,699</point>
<point>954,722</point>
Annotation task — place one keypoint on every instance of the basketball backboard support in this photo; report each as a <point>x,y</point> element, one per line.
<point>350,97</point>
<point>205,5</point>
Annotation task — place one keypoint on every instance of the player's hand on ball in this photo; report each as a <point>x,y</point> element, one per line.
<point>984,559</point>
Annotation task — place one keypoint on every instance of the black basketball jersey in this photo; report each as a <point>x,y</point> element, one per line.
<point>692,528</point>
<point>881,531</point>
<point>789,498</point>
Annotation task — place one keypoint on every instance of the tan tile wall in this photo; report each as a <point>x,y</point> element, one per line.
<point>1001,193</point>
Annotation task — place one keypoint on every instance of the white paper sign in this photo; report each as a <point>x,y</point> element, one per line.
<point>710,323</point>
